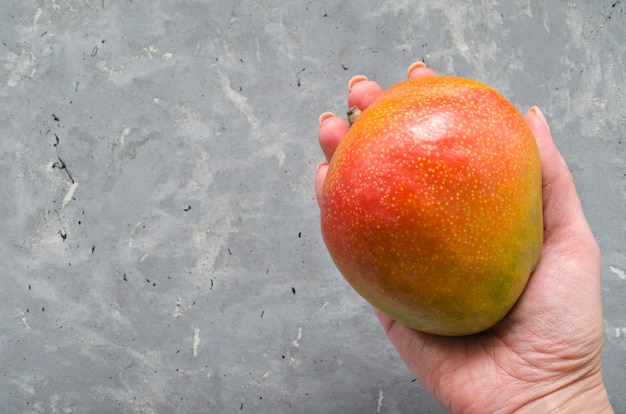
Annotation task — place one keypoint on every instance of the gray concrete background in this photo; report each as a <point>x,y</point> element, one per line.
<point>160,242</point>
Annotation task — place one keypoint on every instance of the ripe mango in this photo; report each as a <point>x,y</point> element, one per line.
<point>431,207</point>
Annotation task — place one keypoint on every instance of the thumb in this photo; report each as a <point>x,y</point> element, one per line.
<point>562,211</point>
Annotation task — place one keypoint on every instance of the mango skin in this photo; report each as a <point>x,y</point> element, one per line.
<point>432,207</point>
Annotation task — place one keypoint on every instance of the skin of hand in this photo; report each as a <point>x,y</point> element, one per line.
<point>545,355</point>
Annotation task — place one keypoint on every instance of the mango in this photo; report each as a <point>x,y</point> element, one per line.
<point>432,207</point>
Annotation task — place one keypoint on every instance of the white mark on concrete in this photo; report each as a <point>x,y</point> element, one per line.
<point>240,101</point>
<point>56,7</point>
<point>258,50</point>
<point>189,120</point>
<point>325,305</point>
<point>196,341</point>
<point>144,257</point>
<point>70,194</point>
<point>123,63</point>
<point>379,403</point>
<point>280,155</point>
<point>296,342</point>
<point>619,272</point>
<point>263,381</point>
<point>292,362</point>
<point>37,15</point>
<point>620,332</point>
<point>404,47</point>
<point>178,310</point>
<point>20,66</point>
<point>209,374</point>
<point>123,134</point>
<point>24,322</point>
<point>151,50</point>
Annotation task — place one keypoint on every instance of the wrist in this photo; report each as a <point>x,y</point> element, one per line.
<point>588,397</point>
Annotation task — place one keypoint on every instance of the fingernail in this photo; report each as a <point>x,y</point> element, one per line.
<point>540,115</point>
<point>320,165</point>
<point>415,65</point>
<point>356,79</point>
<point>325,116</point>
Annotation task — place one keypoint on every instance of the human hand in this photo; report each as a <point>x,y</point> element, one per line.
<point>545,355</point>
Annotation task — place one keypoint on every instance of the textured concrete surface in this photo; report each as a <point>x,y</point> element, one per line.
<point>160,247</point>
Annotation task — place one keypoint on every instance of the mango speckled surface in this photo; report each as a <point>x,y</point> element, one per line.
<point>432,205</point>
<point>182,268</point>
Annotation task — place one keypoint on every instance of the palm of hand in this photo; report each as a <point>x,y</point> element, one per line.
<point>550,342</point>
